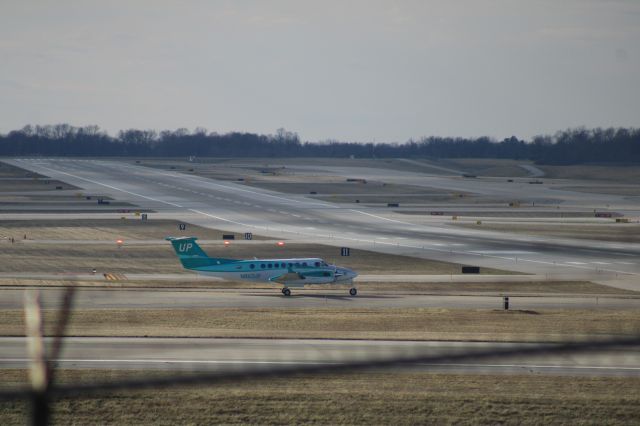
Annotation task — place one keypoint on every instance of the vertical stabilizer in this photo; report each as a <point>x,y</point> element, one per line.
<point>191,254</point>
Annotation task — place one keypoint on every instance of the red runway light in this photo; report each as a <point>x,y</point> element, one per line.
<point>119,241</point>
<point>280,243</point>
<point>226,243</point>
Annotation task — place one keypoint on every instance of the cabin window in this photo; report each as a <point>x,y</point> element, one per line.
<point>283,265</point>
<point>304,263</point>
<point>262,265</point>
<point>297,264</point>
<point>291,265</point>
<point>252,266</point>
<point>270,266</point>
<point>317,264</point>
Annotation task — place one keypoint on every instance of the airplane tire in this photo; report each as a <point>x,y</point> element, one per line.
<point>286,291</point>
<point>353,291</point>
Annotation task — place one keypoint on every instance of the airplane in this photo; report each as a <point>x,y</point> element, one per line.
<point>287,272</point>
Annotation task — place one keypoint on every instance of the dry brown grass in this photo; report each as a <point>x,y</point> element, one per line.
<point>81,258</point>
<point>10,171</point>
<point>498,288</point>
<point>156,258</point>
<point>344,323</point>
<point>488,166</point>
<point>619,189</point>
<point>622,174</point>
<point>106,229</point>
<point>617,232</point>
<point>365,398</point>
<point>576,288</point>
<point>20,185</point>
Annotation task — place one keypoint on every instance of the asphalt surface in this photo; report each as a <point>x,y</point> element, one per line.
<point>189,354</point>
<point>363,278</point>
<point>319,297</point>
<point>240,208</point>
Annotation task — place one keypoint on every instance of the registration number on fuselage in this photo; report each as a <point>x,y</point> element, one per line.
<point>250,276</point>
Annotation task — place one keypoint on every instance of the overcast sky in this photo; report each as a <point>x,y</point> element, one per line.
<point>347,70</point>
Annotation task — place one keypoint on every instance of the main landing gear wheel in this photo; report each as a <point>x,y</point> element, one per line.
<point>353,291</point>
<point>286,291</point>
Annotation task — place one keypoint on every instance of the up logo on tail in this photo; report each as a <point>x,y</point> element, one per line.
<point>185,247</point>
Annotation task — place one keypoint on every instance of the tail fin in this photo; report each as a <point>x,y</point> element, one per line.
<point>191,254</point>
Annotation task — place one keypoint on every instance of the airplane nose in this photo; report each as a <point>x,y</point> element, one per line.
<point>346,274</point>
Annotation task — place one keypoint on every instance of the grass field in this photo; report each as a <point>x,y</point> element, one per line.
<point>623,174</point>
<point>10,171</point>
<point>106,229</point>
<point>394,397</point>
<point>618,189</point>
<point>616,232</point>
<point>577,288</point>
<point>488,166</point>
<point>159,258</point>
<point>343,323</point>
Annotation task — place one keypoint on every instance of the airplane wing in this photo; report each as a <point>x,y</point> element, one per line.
<point>289,276</point>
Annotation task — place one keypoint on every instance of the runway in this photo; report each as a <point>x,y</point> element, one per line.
<point>162,298</point>
<point>239,208</point>
<point>205,354</point>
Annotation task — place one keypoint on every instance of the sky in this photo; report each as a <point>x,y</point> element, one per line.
<point>383,71</point>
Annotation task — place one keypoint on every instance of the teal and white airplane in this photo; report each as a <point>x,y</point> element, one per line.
<point>286,272</point>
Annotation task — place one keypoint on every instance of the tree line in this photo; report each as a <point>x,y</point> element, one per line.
<point>572,146</point>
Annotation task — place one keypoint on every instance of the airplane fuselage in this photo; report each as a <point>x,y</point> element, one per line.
<point>309,271</point>
<point>293,272</point>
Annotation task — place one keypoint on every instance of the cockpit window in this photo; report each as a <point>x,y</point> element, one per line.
<point>317,264</point>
